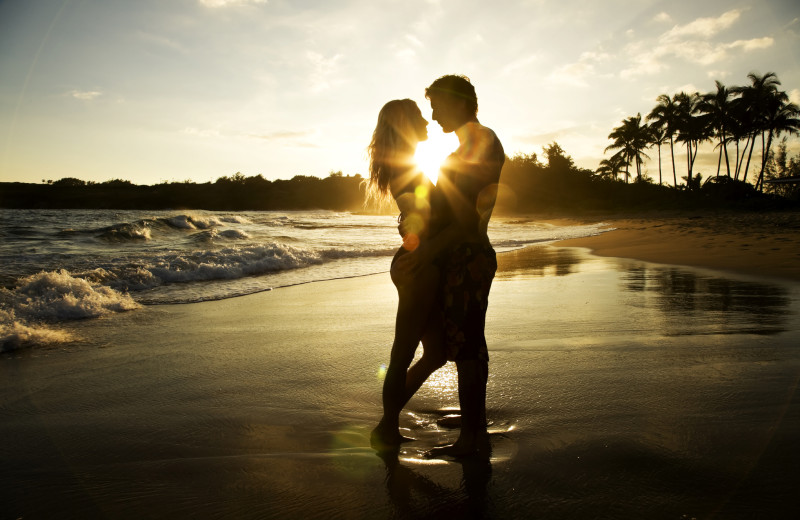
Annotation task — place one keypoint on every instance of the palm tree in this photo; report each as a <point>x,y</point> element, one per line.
<point>755,98</point>
<point>612,167</point>
<point>780,116</point>
<point>691,129</point>
<point>664,116</point>
<point>716,106</point>
<point>740,127</point>
<point>631,138</point>
<point>657,137</point>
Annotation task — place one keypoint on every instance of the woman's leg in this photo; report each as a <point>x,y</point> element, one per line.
<point>415,302</point>
<point>433,357</point>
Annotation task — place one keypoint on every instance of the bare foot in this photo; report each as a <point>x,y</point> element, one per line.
<point>382,439</point>
<point>463,447</point>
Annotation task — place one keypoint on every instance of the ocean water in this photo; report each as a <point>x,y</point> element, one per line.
<point>62,265</point>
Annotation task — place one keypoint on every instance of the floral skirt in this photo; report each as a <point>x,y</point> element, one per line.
<point>467,278</point>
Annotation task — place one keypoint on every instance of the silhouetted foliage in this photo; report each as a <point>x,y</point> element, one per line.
<point>529,186</point>
<point>733,117</point>
<point>68,182</point>
<point>338,192</point>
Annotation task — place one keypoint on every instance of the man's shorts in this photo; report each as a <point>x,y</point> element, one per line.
<point>467,277</point>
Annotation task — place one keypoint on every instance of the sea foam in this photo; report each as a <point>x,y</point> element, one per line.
<point>57,295</point>
<point>53,296</point>
<point>16,334</point>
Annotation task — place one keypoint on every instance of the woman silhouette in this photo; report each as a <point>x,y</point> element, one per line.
<point>393,173</point>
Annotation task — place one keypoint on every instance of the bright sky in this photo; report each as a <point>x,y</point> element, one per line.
<point>173,90</point>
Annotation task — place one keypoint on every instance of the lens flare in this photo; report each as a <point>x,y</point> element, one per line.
<point>431,153</point>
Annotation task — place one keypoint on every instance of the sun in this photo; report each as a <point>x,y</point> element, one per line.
<point>431,153</point>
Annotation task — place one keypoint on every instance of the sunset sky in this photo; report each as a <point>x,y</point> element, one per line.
<point>173,90</point>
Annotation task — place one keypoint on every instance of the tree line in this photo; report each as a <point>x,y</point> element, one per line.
<point>337,192</point>
<point>528,185</point>
<point>735,119</point>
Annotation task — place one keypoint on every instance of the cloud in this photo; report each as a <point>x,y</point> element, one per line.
<point>85,95</point>
<point>323,69</point>
<point>576,74</point>
<point>752,44</point>
<point>794,96</point>
<point>413,40</point>
<point>718,74</point>
<point>703,27</point>
<point>225,3</point>
<point>406,54</point>
<point>521,63</point>
<point>689,88</point>
<point>690,42</point>
<point>548,137</point>
<point>662,17</point>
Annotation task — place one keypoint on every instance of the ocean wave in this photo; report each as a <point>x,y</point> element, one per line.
<point>50,297</point>
<point>58,295</point>
<point>236,234</point>
<point>209,235</point>
<point>203,265</point>
<point>124,232</point>
<point>339,254</point>
<point>194,222</point>
<point>235,219</point>
<point>16,334</point>
<point>143,229</point>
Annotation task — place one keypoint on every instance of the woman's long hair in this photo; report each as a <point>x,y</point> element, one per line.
<point>392,148</point>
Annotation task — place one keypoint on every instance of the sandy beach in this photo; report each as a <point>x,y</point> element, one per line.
<point>761,244</point>
<point>654,378</point>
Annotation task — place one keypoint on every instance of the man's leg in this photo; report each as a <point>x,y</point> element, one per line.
<point>466,300</point>
<point>473,439</point>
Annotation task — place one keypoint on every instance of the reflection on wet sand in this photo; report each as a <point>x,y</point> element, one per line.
<point>701,301</point>
<point>413,495</point>
<point>537,261</point>
<point>735,306</point>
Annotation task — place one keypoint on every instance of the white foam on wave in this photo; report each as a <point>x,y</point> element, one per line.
<point>53,296</point>
<point>57,295</point>
<point>339,254</point>
<point>235,219</point>
<point>234,234</point>
<point>16,334</point>
<point>213,234</point>
<point>180,221</point>
<point>202,222</point>
<point>231,263</point>
<point>205,222</point>
<point>121,232</point>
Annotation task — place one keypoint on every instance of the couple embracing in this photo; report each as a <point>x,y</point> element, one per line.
<point>444,270</point>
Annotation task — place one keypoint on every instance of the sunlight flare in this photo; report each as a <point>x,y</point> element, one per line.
<point>431,153</point>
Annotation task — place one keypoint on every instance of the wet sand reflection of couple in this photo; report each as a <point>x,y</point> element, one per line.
<point>444,270</point>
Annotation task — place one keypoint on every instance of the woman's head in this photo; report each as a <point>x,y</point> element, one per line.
<point>400,127</point>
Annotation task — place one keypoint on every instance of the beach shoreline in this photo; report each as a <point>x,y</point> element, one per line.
<point>764,244</point>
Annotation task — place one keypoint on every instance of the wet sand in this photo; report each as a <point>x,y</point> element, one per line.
<point>761,244</point>
<point>618,389</point>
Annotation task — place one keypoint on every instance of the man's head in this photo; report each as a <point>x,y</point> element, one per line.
<point>453,101</point>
